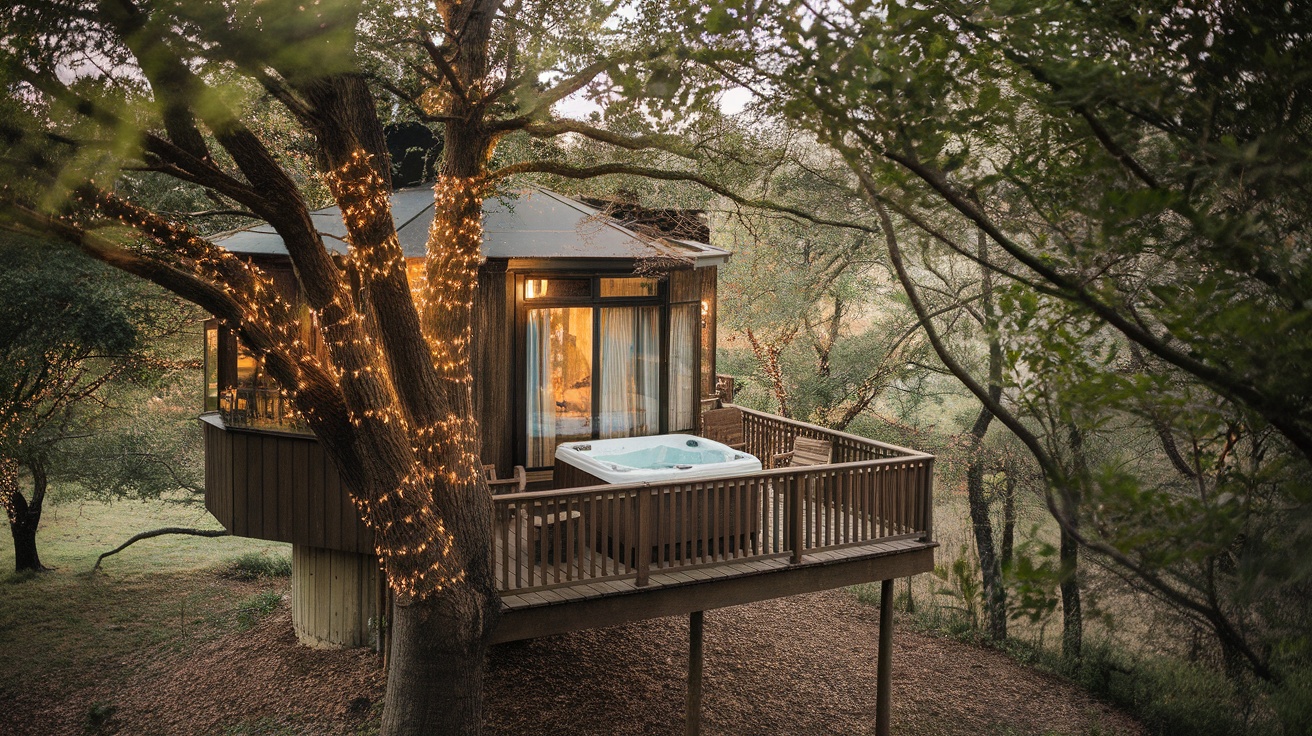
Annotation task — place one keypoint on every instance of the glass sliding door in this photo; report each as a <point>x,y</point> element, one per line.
<point>630,372</point>
<point>558,380</point>
<point>684,329</point>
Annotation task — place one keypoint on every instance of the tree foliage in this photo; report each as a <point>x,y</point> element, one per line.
<point>1141,172</point>
<point>76,341</point>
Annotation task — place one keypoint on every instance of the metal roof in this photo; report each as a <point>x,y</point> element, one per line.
<point>530,223</point>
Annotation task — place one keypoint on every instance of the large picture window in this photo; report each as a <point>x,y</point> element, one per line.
<point>603,357</point>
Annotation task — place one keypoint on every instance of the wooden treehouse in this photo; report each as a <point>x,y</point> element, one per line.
<point>589,327</point>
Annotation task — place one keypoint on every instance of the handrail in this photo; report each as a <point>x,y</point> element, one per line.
<point>260,408</point>
<point>767,473</point>
<point>547,539</point>
<point>818,430</point>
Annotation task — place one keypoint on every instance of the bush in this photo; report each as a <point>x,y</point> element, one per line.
<point>257,565</point>
<point>1168,696</point>
<point>1291,703</point>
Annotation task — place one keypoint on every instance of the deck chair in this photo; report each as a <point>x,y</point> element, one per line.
<point>544,533</point>
<point>725,426</point>
<point>508,485</point>
<point>806,451</point>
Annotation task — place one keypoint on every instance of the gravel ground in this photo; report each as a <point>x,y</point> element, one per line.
<point>801,665</point>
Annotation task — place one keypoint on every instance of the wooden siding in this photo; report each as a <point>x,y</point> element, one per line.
<point>334,597</point>
<point>280,487</point>
<point>685,286</point>
<point>494,367</point>
<point>710,317</point>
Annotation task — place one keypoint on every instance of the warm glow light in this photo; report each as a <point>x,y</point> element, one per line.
<point>534,288</point>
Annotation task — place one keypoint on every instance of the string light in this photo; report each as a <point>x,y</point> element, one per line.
<point>411,539</point>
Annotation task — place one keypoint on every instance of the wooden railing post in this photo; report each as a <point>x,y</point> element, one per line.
<point>643,549</point>
<point>927,498</point>
<point>797,519</point>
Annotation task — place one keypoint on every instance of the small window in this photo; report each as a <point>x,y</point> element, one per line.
<point>546,288</point>
<point>629,287</point>
<point>211,365</point>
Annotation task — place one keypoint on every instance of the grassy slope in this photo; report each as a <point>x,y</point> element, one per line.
<point>59,626</point>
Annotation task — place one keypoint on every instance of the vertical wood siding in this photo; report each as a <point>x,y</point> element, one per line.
<point>281,488</point>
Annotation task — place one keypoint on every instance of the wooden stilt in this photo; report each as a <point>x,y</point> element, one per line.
<point>884,674</point>
<point>693,725</point>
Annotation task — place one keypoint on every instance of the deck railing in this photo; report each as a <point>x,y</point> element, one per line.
<point>871,492</point>
<point>260,408</point>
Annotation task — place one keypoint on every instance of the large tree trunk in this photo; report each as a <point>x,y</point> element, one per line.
<point>24,516</point>
<point>435,676</point>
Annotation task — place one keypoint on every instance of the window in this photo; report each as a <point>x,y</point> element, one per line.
<point>603,357</point>
<point>547,288</point>
<point>558,388</point>
<point>630,371</point>
<point>211,365</point>
<point>685,323</point>
<point>629,287</point>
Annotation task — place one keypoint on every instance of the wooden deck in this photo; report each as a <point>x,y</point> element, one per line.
<point>575,558</point>
<point>601,555</point>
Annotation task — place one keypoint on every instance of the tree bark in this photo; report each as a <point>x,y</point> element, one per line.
<point>1072,617</point>
<point>24,515</point>
<point>995,592</point>
<point>435,676</point>
<point>1008,513</point>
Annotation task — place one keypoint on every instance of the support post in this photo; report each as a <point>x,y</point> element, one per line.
<point>693,708</point>
<point>884,673</point>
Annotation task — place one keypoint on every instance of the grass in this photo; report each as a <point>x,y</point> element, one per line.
<point>258,566</point>
<point>64,625</point>
<point>260,604</point>
<point>1169,696</point>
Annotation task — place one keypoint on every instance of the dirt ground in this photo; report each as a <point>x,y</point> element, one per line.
<point>802,665</point>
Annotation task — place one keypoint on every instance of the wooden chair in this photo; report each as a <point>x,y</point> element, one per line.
<point>806,451</point>
<point>516,484</point>
<point>725,426</point>
<point>543,533</point>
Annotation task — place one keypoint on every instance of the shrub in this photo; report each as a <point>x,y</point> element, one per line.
<point>1291,704</point>
<point>257,565</point>
<point>1168,696</point>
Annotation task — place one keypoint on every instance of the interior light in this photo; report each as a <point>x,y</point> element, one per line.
<point>534,288</point>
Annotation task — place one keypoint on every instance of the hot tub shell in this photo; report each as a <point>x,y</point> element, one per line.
<point>585,463</point>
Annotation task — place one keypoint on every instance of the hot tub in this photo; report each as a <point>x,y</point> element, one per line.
<point>648,460</point>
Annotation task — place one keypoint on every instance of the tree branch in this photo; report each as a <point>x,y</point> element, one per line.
<point>159,533</point>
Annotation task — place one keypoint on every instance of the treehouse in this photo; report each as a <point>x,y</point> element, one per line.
<point>593,330</point>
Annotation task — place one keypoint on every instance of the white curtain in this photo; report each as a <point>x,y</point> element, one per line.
<point>630,377</point>
<point>683,370</point>
<point>541,399</point>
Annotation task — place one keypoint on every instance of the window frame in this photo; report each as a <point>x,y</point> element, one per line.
<point>596,303</point>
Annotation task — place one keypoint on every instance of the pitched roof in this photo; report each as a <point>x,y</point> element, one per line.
<point>530,223</point>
